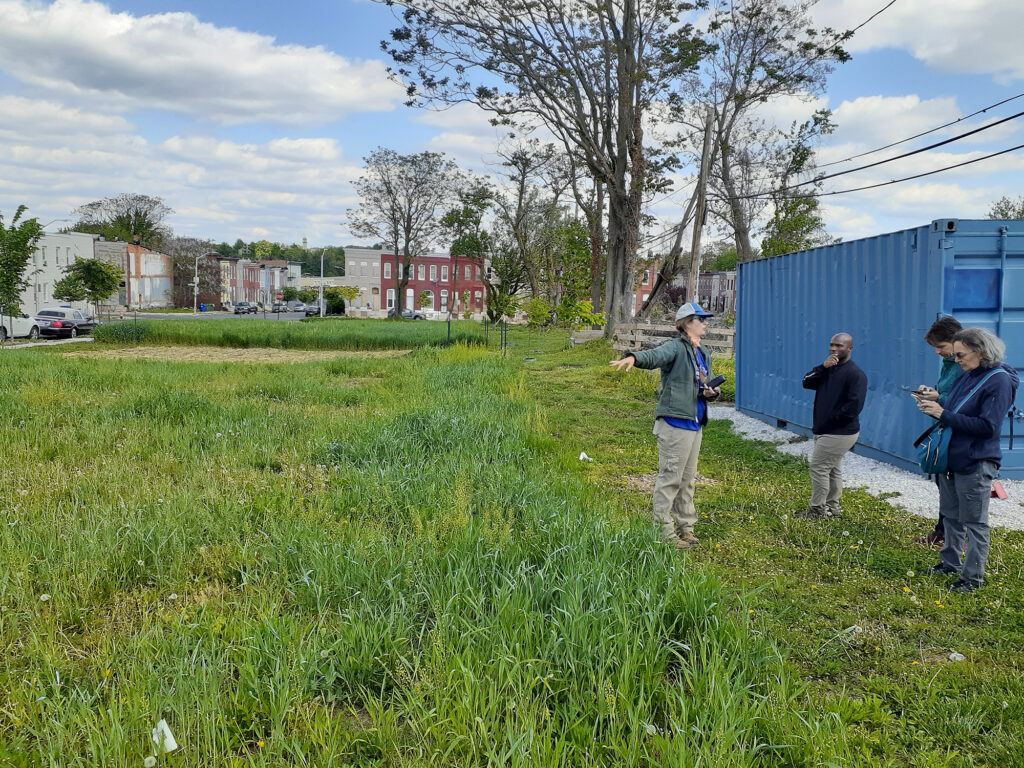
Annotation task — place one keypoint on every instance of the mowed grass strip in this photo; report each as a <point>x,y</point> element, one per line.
<point>849,601</point>
<point>356,562</point>
<point>327,333</point>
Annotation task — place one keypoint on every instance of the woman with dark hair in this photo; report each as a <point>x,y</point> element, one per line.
<point>940,338</point>
<point>679,418</point>
<point>974,411</point>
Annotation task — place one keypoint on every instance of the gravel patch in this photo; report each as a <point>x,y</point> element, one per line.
<point>915,493</point>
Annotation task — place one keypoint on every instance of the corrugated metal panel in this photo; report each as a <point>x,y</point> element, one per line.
<point>885,291</point>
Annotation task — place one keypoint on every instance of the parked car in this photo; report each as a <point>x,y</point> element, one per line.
<point>408,314</point>
<point>279,306</point>
<point>312,309</point>
<point>18,326</point>
<point>245,308</point>
<point>63,321</point>
<point>227,306</point>
<point>296,306</point>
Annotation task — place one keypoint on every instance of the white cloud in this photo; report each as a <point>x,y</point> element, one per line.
<point>174,62</point>
<point>961,36</point>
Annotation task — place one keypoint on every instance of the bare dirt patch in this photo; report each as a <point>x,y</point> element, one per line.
<point>645,483</point>
<point>232,354</point>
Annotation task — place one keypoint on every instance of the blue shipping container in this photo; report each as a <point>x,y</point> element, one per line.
<point>885,291</point>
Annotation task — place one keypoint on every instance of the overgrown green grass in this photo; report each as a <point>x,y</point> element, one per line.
<point>331,333</point>
<point>360,562</point>
<point>849,601</point>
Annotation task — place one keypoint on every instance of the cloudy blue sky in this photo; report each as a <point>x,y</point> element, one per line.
<point>251,119</point>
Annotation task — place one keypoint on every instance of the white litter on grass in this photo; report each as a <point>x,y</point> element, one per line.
<point>954,656</point>
<point>914,493</point>
<point>163,737</point>
<point>584,457</point>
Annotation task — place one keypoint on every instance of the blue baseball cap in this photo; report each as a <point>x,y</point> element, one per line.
<point>691,309</point>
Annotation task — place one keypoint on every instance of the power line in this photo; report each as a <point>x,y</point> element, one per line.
<point>923,133</point>
<point>950,140</point>
<point>887,183</point>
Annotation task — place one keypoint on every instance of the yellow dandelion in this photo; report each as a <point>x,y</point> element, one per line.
<point>814,586</point>
<point>259,744</point>
<point>906,589</point>
<point>914,662</point>
<point>106,673</point>
<point>877,648</point>
<point>751,610</point>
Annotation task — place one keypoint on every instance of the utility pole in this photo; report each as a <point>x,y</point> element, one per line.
<point>698,215</point>
<point>322,281</point>
<point>195,288</point>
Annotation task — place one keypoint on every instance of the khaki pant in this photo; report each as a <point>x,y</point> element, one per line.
<point>826,477</point>
<point>674,512</point>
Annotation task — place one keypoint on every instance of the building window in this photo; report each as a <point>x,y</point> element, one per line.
<point>433,273</point>
<point>409,299</point>
<point>391,295</point>
<point>469,272</point>
<point>476,295</point>
<point>422,272</point>
<point>478,273</point>
<point>444,274</point>
<point>352,267</point>
<point>444,301</point>
<point>401,270</point>
<point>646,278</point>
<point>430,299</point>
<point>387,271</point>
<point>362,269</point>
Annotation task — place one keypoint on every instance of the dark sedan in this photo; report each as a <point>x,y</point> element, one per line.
<point>63,321</point>
<point>245,308</point>
<point>408,314</point>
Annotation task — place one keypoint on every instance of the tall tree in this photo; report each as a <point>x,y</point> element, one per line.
<point>17,242</point>
<point>590,73</point>
<point>764,50</point>
<point>401,198</point>
<point>1006,208</point>
<point>188,255</point>
<point>470,242</point>
<point>130,217</point>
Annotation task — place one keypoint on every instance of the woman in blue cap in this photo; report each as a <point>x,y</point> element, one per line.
<point>681,413</point>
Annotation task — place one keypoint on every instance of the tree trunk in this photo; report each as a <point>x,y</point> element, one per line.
<point>595,222</point>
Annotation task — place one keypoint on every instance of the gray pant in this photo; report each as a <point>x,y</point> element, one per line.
<point>674,511</point>
<point>823,467</point>
<point>963,504</point>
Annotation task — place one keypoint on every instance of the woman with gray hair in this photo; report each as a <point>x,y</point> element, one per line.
<point>977,405</point>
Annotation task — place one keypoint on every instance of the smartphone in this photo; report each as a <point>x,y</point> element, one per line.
<point>715,382</point>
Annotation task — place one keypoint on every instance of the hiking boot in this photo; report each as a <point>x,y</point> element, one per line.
<point>811,513</point>
<point>942,569</point>
<point>689,540</point>
<point>931,540</point>
<point>963,587</point>
<point>833,511</point>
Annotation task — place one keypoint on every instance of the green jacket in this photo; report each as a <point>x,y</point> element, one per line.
<point>950,370</point>
<point>679,390</point>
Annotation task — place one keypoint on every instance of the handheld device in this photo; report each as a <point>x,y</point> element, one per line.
<point>715,382</point>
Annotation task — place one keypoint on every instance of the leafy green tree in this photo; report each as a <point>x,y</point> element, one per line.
<point>796,222</point>
<point>289,293</point>
<point>1005,208</point>
<point>184,253</point>
<point>334,301</point>
<point>720,257</point>
<point>538,311</point>
<point>470,242</point>
<point>70,288</point>
<point>264,249</point>
<point>17,242</point>
<point>130,217</point>
<point>99,279</point>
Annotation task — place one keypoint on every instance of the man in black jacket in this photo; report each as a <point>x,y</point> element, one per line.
<point>840,387</point>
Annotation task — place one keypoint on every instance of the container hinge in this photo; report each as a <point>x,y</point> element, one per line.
<point>945,243</point>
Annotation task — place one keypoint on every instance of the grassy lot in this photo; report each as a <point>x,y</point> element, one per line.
<point>328,333</point>
<point>849,601</point>
<point>401,562</point>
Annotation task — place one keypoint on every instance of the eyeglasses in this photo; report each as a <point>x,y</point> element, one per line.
<point>701,318</point>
